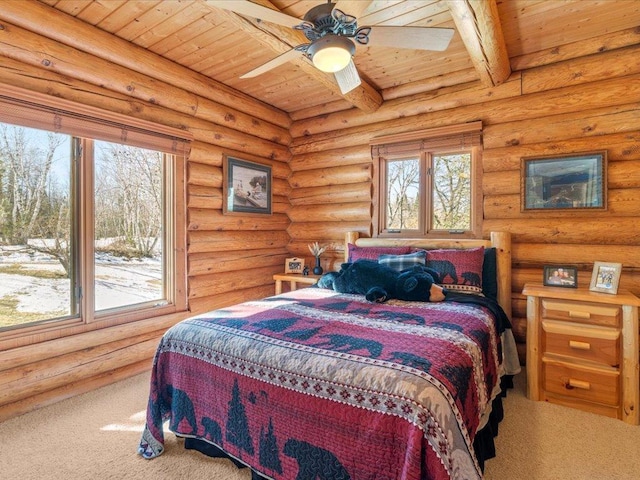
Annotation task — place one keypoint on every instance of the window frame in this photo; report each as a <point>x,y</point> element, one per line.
<point>62,116</point>
<point>424,145</point>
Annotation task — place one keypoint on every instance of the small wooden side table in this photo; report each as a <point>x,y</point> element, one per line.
<point>293,279</point>
<point>582,350</point>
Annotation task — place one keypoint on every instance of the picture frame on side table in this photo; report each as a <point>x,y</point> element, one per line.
<point>576,181</point>
<point>294,265</point>
<point>246,186</point>
<point>560,276</point>
<point>605,277</point>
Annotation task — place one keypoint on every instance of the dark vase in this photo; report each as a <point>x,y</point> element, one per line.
<point>317,270</point>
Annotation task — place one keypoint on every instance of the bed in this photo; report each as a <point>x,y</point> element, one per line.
<point>315,384</point>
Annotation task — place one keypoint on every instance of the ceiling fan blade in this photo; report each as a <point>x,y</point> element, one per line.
<point>354,8</point>
<point>279,60</point>
<point>415,38</point>
<point>249,9</point>
<point>348,78</point>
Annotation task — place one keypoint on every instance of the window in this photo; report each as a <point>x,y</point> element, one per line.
<point>129,231</point>
<point>88,210</point>
<point>427,183</point>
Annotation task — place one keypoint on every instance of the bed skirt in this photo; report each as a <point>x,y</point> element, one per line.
<point>483,443</point>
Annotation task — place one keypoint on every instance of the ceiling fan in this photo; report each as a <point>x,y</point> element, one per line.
<point>332,33</point>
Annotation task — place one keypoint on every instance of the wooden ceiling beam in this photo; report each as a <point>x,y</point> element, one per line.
<point>478,23</point>
<point>282,39</point>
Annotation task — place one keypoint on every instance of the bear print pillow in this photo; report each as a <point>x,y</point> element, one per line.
<point>460,270</point>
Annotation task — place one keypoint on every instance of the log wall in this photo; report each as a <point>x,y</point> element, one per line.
<point>587,104</point>
<point>322,179</point>
<point>231,258</point>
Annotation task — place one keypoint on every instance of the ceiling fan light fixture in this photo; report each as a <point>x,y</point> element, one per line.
<point>331,53</point>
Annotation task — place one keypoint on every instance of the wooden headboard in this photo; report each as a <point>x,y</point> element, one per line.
<point>500,240</point>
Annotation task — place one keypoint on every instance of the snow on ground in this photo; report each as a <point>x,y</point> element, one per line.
<point>36,295</point>
<point>119,281</point>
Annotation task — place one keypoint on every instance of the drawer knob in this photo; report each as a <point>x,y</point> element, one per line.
<point>573,383</point>
<point>579,345</point>
<point>576,314</point>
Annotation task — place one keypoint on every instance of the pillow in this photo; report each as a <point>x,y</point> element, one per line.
<point>372,253</point>
<point>490,274</point>
<point>460,270</point>
<point>402,262</point>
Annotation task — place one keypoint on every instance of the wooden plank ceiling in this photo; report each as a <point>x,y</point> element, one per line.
<point>492,39</point>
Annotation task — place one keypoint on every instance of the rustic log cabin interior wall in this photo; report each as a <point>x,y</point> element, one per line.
<point>540,86</point>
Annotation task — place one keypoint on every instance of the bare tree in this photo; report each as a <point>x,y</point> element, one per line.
<point>34,208</point>
<point>56,230</point>
<point>450,201</point>
<point>129,196</point>
<point>452,191</point>
<point>403,177</point>
<point>27,166</point>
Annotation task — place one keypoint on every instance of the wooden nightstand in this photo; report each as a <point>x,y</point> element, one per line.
<point>293,279</point>
<point>582,350</point>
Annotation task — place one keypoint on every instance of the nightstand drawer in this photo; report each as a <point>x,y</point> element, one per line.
<point>593,385</point>
<point>583,342</point>
<point>582,349</point>
<point>583,312</point>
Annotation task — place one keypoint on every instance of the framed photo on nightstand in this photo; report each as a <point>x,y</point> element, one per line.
<point>605,277</point>
<point>294,265</point>
<point>560,276</point>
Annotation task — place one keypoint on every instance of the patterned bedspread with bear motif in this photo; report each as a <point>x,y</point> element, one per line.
<point>315,384</point>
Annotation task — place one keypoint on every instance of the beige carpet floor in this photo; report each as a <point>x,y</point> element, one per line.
<point>94,436</point>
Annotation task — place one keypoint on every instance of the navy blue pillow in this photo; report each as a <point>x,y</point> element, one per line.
<point>489,274</point>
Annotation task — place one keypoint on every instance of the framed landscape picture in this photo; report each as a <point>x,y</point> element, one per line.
<point>570,182</point>
<point>246,187</point>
